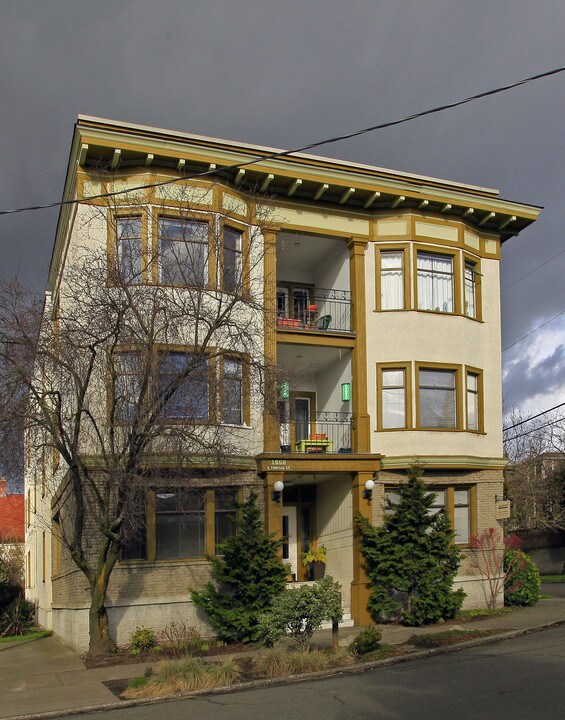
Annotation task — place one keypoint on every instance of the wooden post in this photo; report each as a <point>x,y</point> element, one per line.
<point>360,584</point>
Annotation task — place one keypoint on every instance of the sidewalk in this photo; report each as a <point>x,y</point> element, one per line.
<point>43,676</point>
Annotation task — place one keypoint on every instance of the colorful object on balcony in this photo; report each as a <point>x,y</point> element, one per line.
<point>345,392</point>
<point>285,391</point>
<point>313,446</point>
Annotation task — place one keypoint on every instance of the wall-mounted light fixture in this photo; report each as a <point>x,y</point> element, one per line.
<point>285,390</point>
<point>278,487</point>
<point>345,392</point>
<point>368,491</point>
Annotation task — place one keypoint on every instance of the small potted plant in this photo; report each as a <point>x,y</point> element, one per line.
<point>315,560</point>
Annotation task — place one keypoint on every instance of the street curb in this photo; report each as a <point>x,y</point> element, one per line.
<point>293,679</point>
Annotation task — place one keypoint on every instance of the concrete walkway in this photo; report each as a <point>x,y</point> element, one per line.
<point>42,676</point>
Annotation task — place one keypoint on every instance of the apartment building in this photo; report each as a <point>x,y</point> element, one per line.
<point>376,298</point>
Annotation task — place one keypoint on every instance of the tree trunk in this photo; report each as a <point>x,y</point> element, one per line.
<point>100,640</point>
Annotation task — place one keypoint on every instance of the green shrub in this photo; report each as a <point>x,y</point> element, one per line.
<point>367,641</point>
<point>17,617</point>
<point>247,576</point>
<point>411,560</point>
<point>299,612</point>
<point>523,580</point>
<point>143,638</point>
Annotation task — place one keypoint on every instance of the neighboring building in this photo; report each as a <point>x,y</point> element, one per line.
<point>12,533</point>
<point>382,313</point>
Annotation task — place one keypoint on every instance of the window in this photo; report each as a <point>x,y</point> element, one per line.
<point>129,249</point>
<point>393,398</point>
<point>435,282</point>
<point>127,386</point>
<point>183,386</point>
<point>473,397</point>
<point>232,261</point>
<point>225,516</point>
<point>183,251</point>
<point>180,523</point>
<point>392,280</point>
<point>457,503</point>
<point>232,391</point>
<point>437,398</point>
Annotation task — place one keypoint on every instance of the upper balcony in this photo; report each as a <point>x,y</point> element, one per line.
<point>313,293</point>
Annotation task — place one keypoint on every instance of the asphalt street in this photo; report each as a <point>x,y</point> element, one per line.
<point>518,679</point>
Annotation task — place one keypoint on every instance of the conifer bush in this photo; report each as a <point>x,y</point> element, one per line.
<point>248,575</point>
<point>411,560</point>
<point>523,579</point>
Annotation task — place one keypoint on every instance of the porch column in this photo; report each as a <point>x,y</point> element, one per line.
<point>271,440</point>
<point>360,585</point>
<point>272,509</point>
<point>360,426</point>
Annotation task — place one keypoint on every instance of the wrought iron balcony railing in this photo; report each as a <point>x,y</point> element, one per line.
<point>323,432</point>
<point>314,310</point>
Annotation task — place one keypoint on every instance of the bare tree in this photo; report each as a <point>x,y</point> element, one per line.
<point>137,360</point>
<point>535,478</point>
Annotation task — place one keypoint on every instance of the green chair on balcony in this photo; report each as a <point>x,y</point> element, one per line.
<point>323,322</point>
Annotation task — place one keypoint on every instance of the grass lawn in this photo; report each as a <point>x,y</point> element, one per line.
<point>553,578</point>
<point>29,636</point>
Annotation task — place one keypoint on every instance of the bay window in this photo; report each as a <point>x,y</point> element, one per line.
<point>435,282</point>
<point>392,280</point>
<point>183,386</point>
<point>183,251</point>
<point>232,259</point>
<point>471,299</point>
<point>129,249</point>
<point>437,398</point>
<point>393,398</point>
<point>232,391</point>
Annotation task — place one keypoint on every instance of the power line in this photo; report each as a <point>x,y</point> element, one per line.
<point>523,422</point>
<point>532,271</point>
<point>310,146</point>
<point>539,327</point>
<point>529,432</point>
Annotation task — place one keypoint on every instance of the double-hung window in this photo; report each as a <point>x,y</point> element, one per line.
<point>392,279</point>
<point>129,249</point>
<point>127,385</point>
<point>225,516</point>
<point>232,391</point>
<point>232,260</point>
<point>183,387</point>
<point>393,398</point>
<point>435,282</point>
<point>471,297</point>
<point>437,398</point>
<point>183,251</point>
<point>180,523</point>
<point>473,391</point>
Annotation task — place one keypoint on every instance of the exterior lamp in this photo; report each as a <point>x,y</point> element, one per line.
<point>368,491</point>
<point>285,390</point>
<point>345,392</point>
<point>278,487</point>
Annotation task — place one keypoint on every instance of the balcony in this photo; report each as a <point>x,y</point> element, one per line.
<point>318,434</point>
<point>313,309</point>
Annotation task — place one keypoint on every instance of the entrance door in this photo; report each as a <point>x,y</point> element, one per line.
<point>301,418</point>
<point>290,540</point>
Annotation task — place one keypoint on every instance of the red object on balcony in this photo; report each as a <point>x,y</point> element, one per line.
<point>288,322</point>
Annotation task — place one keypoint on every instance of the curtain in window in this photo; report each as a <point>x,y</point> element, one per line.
<point>437,399</point>
<point>232,260</point>
<point>393,399</point>
<point>392,281</point>
<point>435,282</point>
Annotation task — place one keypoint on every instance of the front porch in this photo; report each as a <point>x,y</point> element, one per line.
<point>320,497</point>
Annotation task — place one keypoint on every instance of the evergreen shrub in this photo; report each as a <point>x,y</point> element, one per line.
<point>248,575</point>
<point>523,579</point>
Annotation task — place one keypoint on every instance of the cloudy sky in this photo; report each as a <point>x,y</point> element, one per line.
<point>288,73</point>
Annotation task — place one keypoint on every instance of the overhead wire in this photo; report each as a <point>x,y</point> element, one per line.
<point>533,417</point>
<point>539,327</point>
<point>303,148</point>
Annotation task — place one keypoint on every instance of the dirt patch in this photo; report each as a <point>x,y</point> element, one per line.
<point>123,656</point>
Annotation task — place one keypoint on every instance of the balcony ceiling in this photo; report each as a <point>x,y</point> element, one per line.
<point>307,361</point>
<point>306,251</point>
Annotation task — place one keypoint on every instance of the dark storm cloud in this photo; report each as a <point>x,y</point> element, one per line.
<point>287,73</point>
<point>545,379</point>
